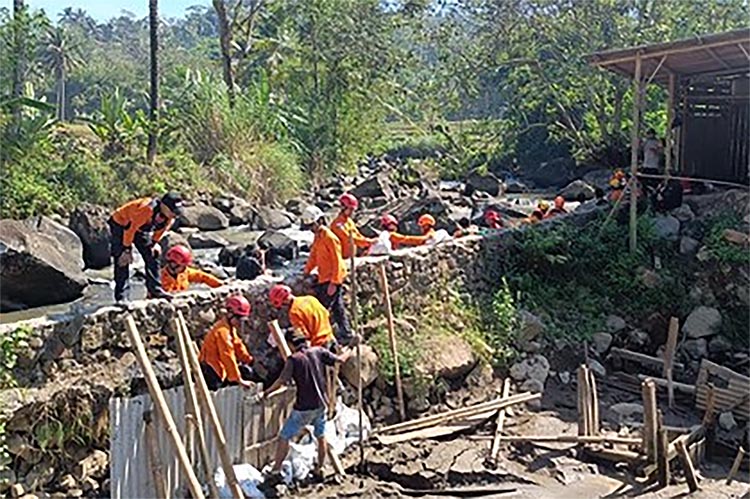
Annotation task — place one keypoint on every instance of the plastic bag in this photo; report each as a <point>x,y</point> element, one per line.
<point>440,236</point>
<point>248,476</point>
<point>383,245</point>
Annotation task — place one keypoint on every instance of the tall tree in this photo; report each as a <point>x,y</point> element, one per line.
<point>61,55</point>
<point>225,41</point>
<point>153,129</point>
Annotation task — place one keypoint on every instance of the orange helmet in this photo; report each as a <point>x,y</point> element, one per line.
<point>619,174</point>
<point>180,255</point>
<point>559,202</point>
<point>278,295</point>
<point>388,220</point>
<point>426,221</point>
<point>349,201</point>
<point>238,305</point>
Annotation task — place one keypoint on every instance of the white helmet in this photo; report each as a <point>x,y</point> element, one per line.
<point>311,214</point>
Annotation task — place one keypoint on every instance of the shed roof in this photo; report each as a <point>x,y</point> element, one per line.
<point>721,53</point>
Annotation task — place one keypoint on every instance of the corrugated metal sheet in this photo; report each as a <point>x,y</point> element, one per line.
<point>731,389</point>
<point>131,472</point>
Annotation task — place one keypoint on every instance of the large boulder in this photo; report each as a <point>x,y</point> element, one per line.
<point>483,182</point>
<point>89,222</point>
<point>377,186</point>
<point>577,190</point>
<point>279,247</point>
<point>446,357</point>
<point>229,255</point>
<point>206,241</point>
<point>40,263</point>
<point>554,173</point>
<point>204,217</point>
<point>667,227</point>
<point>368,372</point>
<point>534,367</point>
<point>271,218</point>
<point>703,321</point>
<point>598,178</point>
<point>239,211</point>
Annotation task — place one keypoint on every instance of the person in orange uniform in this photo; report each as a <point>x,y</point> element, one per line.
<point>427,226</point>
<point>224,359</point>
<point>618,182</point>
<point>390,223</point>
<point>343,225</point>
<point>538,214</point>
<point>141,223</point>
<point>306,315</point>
<point>178,276</point>
<point>557,209</point>
<point>326,257</point>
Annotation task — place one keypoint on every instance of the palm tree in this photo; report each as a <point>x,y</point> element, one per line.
<point>153,115</point>
<point>61,56</point>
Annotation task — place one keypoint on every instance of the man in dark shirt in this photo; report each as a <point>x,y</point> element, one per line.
<point>306,366</point>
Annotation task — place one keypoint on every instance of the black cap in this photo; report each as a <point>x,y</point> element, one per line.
<point>173,201</point>
<point>295,338</point>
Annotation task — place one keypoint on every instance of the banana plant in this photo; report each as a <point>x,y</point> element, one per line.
<point>115,125</point>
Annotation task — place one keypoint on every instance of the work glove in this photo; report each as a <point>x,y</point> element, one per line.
<point>125,258</point>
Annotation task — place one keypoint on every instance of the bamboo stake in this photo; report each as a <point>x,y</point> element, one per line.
<point>207,405</point>
<point>662,451</point>
<point>634,146</point>
<point>648,389</point>
<point>154,456</point>
<point>355,323</point>
<point>736,465</point>
<point>162,409</point>
<point>687,464</point>
<point>500,423</point>
<point>278,338</point>
<point>193,405</point>
<point>594,404</point>
<point>392,339</point>
<point>584,415</point>
<point>669,357</point>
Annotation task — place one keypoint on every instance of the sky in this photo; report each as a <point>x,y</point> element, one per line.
<point>102,10</point>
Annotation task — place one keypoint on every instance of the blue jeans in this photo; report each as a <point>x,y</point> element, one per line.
<point>297,420</point>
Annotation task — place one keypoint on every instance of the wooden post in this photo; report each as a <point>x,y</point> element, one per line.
<point>634,146</point>
<point>207,406</point>
<point>161,407</point>
<point>392,339</point>
<point>583,420</point>
<point>278,338</point>
<point>648,389</point>
<point>687,464</point>
<point>736,465</point>
<point>355,324</point>
<point>662,451</point>
<point>192,405</point>
<point>670,119</point>
<point>674,327</point>
<point>154,456</point>
<point>593,404</point>
<point>500,423</point>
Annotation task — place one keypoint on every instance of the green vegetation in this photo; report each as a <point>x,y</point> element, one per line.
<point>10,345</point>
<point>725,253</point>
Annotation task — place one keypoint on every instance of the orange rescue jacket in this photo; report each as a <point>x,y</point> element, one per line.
<point>342,226</point>
<point>222,350</point>
<point>182,281</point>
<point>136,214</point>
<point>309,316</point>
<point>405,240</point>
<point>325,255</point>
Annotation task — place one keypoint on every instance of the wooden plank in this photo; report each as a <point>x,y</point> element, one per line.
<point>649,419</point>
<point>436,431</point>
<point>687,465</point>
<point>615,455</point>
<point>495,448</point>
<point>736,465</point>
<point>662,457</point>
<point>583,401</point>
<point>663,383</point>
<point>278,338</point>
<point>594,404</point>
<point>338,467</point>
<point>674,327</point>
<point>641,358</point>
<point>154,459</point>
<point>573,439</point>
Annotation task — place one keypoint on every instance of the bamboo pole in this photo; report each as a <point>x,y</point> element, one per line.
<point>594,404</point>
<point>355,323</point>
<point>634,146</point>
<point>584,410</point>
<point>193,405</point>
<point>736,465</point>
<point>161,407</point>
<point>687,464</point>
<point>648,389</point>
<point>392,340</point>
<point>662,451</point>
<point>154,456</point>
<point>207,405</point>
<point>500,423</point>
<point>671,88</point>
<point>674,327</point>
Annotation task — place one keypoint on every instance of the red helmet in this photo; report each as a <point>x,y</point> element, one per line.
<point>349,201</point>
<point>180,255</point>
<point>278,295</point>
<point>238,305</point>
<point>388,220</point>
<point>492,216</point>
<point>426,221</point>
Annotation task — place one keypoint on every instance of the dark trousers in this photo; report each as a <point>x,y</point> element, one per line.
<point>335,304</point>
<point>214,382</point>
<point>144,244</point>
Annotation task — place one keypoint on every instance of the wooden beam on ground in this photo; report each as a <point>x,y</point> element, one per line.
<point>278,338</point>
<point>674,327</point>
<point>649,419</point>
<point>736,465</point>
<point>664,383</point>
<point>335,461</point>
<point>641,358</point>
<point>696,433</point>
<point>161,407</point>
<point>392,341</point>
<point>573,439</point>
<point>687,464</point>
<point>662,447</point>
<point>495,448</point>
<point>154,456</point>
<point>206,404</point>
<point>439,431</point>
<point>614,455</point>
<point>455,414</point>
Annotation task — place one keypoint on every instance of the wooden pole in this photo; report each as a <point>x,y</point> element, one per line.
<point>500,423</point>
<point>674,327</point>
<point>687,464</point>
<point>594,404</point>
<point>670,119</point>
<point>207,406</point>
<point>193,406</point>
<point>634,146</point>
<point>584,407</point>
<point>392,340</point>
<point>154,456</point>
<point>355,323</point>
<point>662,451</point>
<point>648,389</point>
<point>278,338</point>
<point>736,465</point>
<point>161,407</point>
